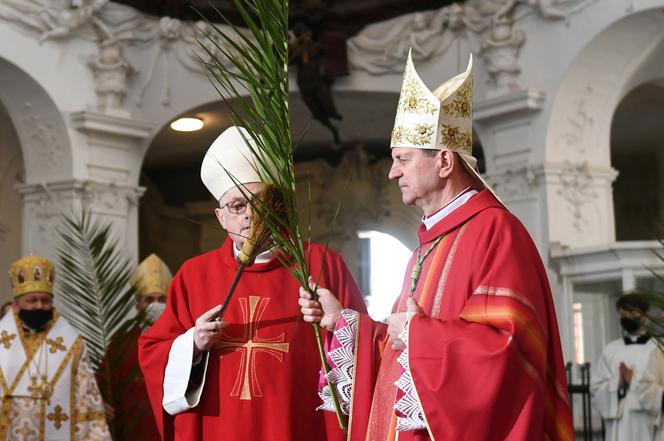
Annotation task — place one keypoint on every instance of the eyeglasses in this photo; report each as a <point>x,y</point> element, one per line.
<point>237,207</point>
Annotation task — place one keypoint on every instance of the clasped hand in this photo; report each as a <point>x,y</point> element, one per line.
<point>206,330</point>
<point>396,323</point>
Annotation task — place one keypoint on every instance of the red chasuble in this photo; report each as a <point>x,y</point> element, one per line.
<point>262,378</point>
<point>132,412</point>
<point>485,355</point>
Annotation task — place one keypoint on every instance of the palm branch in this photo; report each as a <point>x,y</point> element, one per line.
<point>656,299</point>
<point>249,70</point>
<point>97,299</point>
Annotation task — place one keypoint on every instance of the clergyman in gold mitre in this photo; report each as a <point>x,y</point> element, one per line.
<point>152,279</point>
<point>53,393</point>
<point>438,120</point>
<point>32,279</point>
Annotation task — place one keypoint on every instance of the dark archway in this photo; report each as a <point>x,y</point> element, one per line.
<point>637,153</point>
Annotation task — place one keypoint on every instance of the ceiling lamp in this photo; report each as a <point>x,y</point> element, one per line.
<point>187,124</point>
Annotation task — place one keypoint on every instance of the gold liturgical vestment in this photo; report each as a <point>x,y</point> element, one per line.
<point>49,392</point>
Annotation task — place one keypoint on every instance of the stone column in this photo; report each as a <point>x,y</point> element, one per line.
<point>115,152</point>
<point>107,161</point>
<point>45,204</point>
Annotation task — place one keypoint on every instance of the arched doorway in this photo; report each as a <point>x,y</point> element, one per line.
<point>34,149</point>
<point>176,213</point>
<point>12,173</point>
<point>637,153</point>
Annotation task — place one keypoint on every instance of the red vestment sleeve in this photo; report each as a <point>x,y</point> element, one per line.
<point>155,345</point>
<point>495,370</point>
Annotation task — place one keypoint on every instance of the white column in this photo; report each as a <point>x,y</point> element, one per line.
<point>113,162</point>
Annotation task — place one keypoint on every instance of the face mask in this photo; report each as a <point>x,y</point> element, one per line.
<point>630,325</point>
<point>36,319</point>
<point>153,311</point>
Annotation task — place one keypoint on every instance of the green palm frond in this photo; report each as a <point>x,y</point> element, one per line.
<point>97,300</point>
<point>94,288</point>
<point>251,77</point>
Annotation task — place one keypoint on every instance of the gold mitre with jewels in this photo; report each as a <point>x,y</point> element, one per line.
<point>152,276</point>
<point>442,119</point>
<point>32,274</point>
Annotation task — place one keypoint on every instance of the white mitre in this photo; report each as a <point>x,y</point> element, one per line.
<point>438,120</point>
<point>230,161</point>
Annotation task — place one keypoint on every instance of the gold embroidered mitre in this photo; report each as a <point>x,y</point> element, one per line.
<point>152,276</point>
<point>32,274</point>
<point>436,120</point>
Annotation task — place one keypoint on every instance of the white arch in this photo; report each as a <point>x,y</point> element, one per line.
<point>625,54</point>
<point>39,124</point>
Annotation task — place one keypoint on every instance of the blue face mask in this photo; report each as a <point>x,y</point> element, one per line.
<point>36,319</point>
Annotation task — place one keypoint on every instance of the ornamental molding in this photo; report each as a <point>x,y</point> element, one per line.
<point>46,201</point>
<point>121,33</point>
<point>514,183</point>
<point>488,26</point>
<point>514,103</point>
<point>104,124</point>
<point>580,186</point>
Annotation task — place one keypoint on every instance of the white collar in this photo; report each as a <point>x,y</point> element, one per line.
<point>263,257</point>
<point>458,201</point>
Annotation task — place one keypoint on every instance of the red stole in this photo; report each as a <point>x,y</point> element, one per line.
<point>261,390</point>
<point>485,356</point>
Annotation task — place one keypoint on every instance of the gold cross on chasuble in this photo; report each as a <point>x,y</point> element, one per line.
<point>56,345</point>
<point>58,417</point>
<point>249,345</point>
<point>6,339</point>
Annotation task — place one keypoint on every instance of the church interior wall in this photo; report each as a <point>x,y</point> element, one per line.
<point>545,126</point>
<point>11,174</point>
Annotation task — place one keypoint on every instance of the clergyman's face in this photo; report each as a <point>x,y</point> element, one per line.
<point>237,225</point>
<point>35,300</point>
<point>145,300</point>
<point>416,172</point>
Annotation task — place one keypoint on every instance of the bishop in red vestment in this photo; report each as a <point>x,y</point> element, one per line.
<point>472,349</point>
<point>252,376</point>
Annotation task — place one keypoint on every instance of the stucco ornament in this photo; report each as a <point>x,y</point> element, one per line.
<point>121,33</point>
<point>110,74</point>
<point>487,26</point>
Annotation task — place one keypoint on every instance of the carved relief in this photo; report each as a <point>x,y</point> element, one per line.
<point>488,25</point>
<point>576,190</point>
<point>110,74</point>
<point>500,51</point>
<point>109,198</point>
<point>360,182</point>
<point>512,184</point>
<point>117,29</point>
<point>44,205</point>
<point>41,138</point>
<point>578,123</point>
